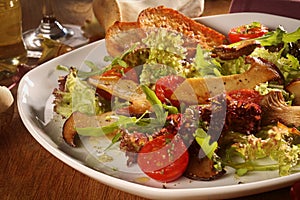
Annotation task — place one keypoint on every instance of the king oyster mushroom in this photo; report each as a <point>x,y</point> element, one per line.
<point>227,52</point>
<point>275,109</point>
<point>202,89</point>
<point>81,120</point>
<point>294,88</point>
<point>124,89</point>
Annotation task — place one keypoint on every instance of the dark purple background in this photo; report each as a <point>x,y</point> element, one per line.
<point>286,8</point>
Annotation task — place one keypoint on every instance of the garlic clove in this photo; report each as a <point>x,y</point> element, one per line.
<point>6,98</point>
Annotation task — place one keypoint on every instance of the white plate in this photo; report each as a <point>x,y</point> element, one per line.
<point>35,107</point>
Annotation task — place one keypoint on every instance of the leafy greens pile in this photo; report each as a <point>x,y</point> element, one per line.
<point>277,142</point>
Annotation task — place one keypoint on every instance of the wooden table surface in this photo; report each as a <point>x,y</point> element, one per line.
<point>28,171</point>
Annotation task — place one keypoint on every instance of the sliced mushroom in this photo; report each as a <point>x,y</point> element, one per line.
<point>201,89</point>
<point>80,120</point>
<point>69,131</point>
<point>275,109</point>
<point>124,89</point>
<point>226,52</point>
<point>201,167</point>
<point>294,88</point>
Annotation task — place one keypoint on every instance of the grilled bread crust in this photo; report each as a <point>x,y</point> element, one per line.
<point>121,35</point>
<point>172,19</point>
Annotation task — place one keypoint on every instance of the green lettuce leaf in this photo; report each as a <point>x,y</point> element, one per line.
<point>76,96</point>
<point>276,144</point>
<point>203,139</point>
<point>288,65</point>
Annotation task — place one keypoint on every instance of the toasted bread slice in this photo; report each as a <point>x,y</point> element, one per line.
<point>121,35</point>
<point>172,19</point>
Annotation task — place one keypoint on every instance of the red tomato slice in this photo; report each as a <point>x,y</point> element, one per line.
<point>164,159</point>
<point>122,72</point>
<point>246,32</point>
<point>165,87</point>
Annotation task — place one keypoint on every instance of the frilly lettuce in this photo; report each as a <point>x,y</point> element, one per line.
<point>235,66</point>
<point>165,55</point>
<point>77,95</point>
<point>204,64</point>
<point>166,48</point>
<point>288,65</point>
<point>277,144</point>
<point>279,36</point>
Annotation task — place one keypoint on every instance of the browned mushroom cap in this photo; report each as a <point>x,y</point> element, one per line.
<point>201,168</point>
<point>294,88</point>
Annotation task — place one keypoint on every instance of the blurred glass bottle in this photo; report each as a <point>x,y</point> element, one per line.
<point>12,49</point>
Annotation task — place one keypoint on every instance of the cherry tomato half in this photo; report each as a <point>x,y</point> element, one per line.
<point>164,158</point>
<point>122,72</point>
<point>165,87</point>
<point>248,31</point>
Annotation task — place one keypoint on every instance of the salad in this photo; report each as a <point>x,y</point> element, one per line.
<point>181,111</point>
